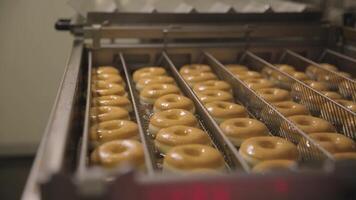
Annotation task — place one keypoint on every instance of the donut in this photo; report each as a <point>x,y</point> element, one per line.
<point>105,70</point>
<point>235,68</point>
<point>154,80</point>
<point>148,72</point>
<point>258,83</point>
<point>243,75</point>
<point>274,166</point>
<point>290,108</point>
<point>257,149</point>
<point>332,95</point>
<point>113,130</point>
<point>194,69</point>
<point>312,70</point>
<point>334,142</point>
<point>319,86</point>
<point>300,76</point>
<point>310,124</point>
<point>151,93</point>
<point>103,88</point>
<point>212,85</point>
<point>208,96</point>
<point>198,78</point>
<point>168,118</point>
<point>345,156</point>
<point>167,138</point>
<point>240,129</point>
<point>113,100</point>
<point>107,113</point>
<point>118,152</point>
<point>193,158</point>
<point>285,68</point>
<point>222,110</point>
<point>173,101</point>
<point>273,94</point>
<point>109,78</point>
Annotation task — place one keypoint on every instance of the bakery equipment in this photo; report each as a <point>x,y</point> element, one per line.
<point>130,40</point>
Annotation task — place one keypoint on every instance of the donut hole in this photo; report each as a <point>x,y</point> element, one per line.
<point>304,122</point>
<point>192,152</point>
<point>180,132</point>
<point>323,139</point>
<point>172,116</point>
<point>171,100</point>
<point>241,124</point>
<point>221,105</point>
<point>284,106</point>
<point>267,144</point>
<point>117,149</point>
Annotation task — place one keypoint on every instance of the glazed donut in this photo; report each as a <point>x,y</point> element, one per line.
<point>193,157</point>
<point>285,68</point>
<point>332,95</point>
<point>221,110</point>
<point>113,100</point>
<point>194,69</point>
<point>170,118</point>
<point>212,85</point>
<point>113,130</point>
<point>240,129</point>
<point>290,108</point>
<point>118,152</point>
<point>208,96</point>
<point>173,101</point>
<point>274,165</point>
<point>319,86</point>
<point>154,80</point>
<point>151,93</point>
<point>312,70</point>
<point>147,72</point>
<point>102,88</point>
<point>345,156</point>
<point>235,68</point>
<point>334,142</point>
<point>258,83</point>
<point>170,137</point>
<point>274,94</point>
<point>243,75</point>
<point>310,124</point>
<point>105,70</point>
<point>257,149</point>
<point>109,78</point>
<point>198,78</point>
<point>107,113</point>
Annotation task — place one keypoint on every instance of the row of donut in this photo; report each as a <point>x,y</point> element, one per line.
<point>252,137</point>
<point>114,136</point>
<point>320,130</point>
<point>185,147</point>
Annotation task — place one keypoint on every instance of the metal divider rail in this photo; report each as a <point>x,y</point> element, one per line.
<point>319,105</point>
<point>278,124</point>
<point>220,142</point>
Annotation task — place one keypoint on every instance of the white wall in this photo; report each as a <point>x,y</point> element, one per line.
<point>32,60</point>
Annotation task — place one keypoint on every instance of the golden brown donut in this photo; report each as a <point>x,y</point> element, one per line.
<point>173,101</point>
<point>334,142</point>
<point>332,95</point>
<point>345,156</point>
<point>312,70</point>
<point>198,78</point>
<point>154,80</point>
<point>274,166</point>
<point>193,158</point>
<point>233,68</point>
<point>319,86</point>
<point>110,78</point>
<point>208,96</point>
<point>243,75</point>
<point>103,88</point>
<point>170,137</point>
<point>285,68</point>
<point>151,93</point>
<point>290,108</point>
<point>257,149</point>
<point>310,124</point>
<point>113,100</point>
<point>194,69</point>
<point>222,110</point>
<point>274,94</point>
<point>113,130</point>
<point>118,152</point>
<point>212,85</point>
<point>147,72</point>
<point>240,129</point>
<point>173,117</point>
<point>258,83</point>
<point>300,76</point>
<point>107,113</point>
<point>105,70</point>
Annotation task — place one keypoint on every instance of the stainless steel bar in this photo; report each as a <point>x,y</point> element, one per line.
<point>222,141</point>
<point>275,121</point>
